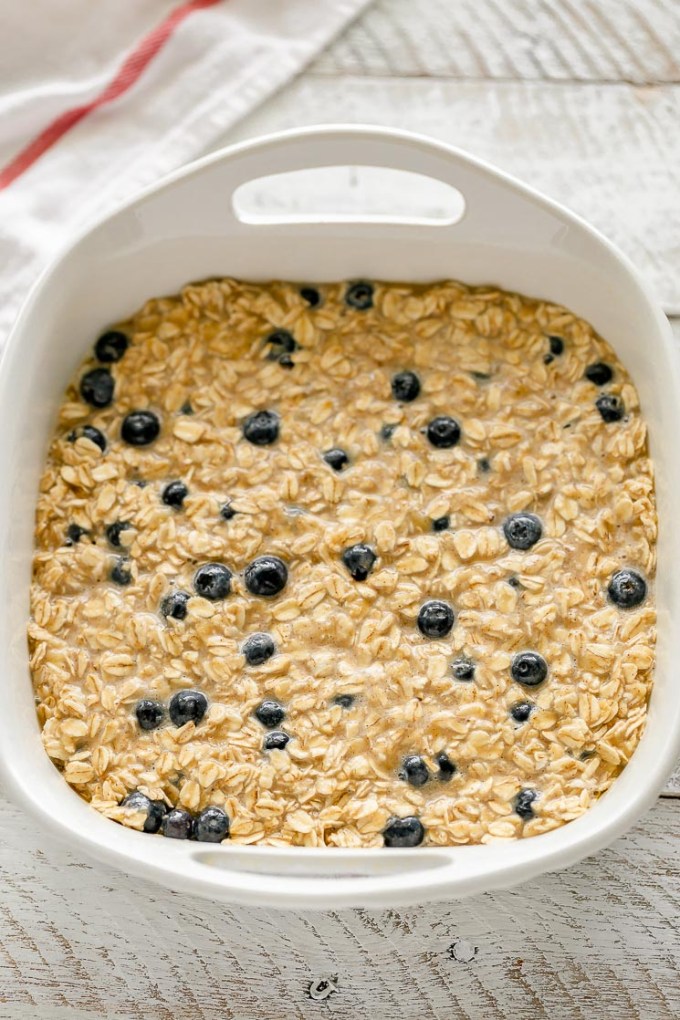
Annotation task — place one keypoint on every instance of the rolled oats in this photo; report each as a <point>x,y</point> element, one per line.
<point>343,464</point>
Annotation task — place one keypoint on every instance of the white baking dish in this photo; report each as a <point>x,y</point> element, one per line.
<point>185,229</point>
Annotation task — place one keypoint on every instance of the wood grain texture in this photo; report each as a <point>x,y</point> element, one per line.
<point>600,940</point>
<point>610,153</point>
<point>552,40</point>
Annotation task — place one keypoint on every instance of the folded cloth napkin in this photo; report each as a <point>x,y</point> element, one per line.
<point>98,99</point>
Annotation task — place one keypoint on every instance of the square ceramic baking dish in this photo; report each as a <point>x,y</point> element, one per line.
<point>186,229</point>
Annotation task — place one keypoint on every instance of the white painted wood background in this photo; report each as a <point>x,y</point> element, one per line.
<point>582,99</point>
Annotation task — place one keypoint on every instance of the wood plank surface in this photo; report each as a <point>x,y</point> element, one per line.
<point>599,941</point>
<point>609,152</point>
<point>551,40</point>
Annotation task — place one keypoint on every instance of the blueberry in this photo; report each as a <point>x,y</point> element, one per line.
<point>443,432</point>
<point>74,533</point>
<point>311,295</point>
<point>155,809</point>
<point>212,581</point>
<point>403,832</point>
<point>187,706</point>
<point>529,669</point>
<point>627,589</point>
<point>227,512</point>
<point>387,431</point>
<point>113,532</point>
<point>174,605</point>
<point>270,713</point>
<point>261,428</point>
<point>281,342</point>
<point>447,768</point>
<point>441,523</point>
<point>174,494</point>
<point>258,648</point>
<point>177,824</point>
<point>522,530</point>
<point>548,359</point>
<point>344,700</point>
<point>211,826</point>
<point>463,669</point>
<point>522,804</point>
<point>186,408</point>
<point>556,345</point>
<point>120,572</point>
<point>336,458</point>
<point>91,433</point>
<point>521,711</point>
<point>610,407</point>
<point>514,581</point>
<point>484,465</point>
<point>405,386</point>
<point>266,576</point>
<point>599,373</point>
<point>414,770</point>
<point>275,741</point>
<point>435,619</point>
<point>359,295</point>
<point>359,560</point>
<point>97,386</point>
<point>140,428</point>
<point>111,346</point>
<point>149,714</point>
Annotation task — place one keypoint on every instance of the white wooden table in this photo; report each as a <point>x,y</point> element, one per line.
<point>582,99</point>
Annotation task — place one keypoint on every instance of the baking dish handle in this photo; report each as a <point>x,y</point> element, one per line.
<point>495,204</point>
<point>300,877</point>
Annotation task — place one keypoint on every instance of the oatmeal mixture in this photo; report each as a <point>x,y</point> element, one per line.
<point>352,565</point>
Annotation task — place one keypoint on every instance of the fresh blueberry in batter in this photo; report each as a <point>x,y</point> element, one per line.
<point>89,432</point>
<point>111,346</point>
<point>610,407</point>
<point>627,589</point>
<point>403,832</point>
<point>359,560</point>
<point>258,648</point>
<point>140,428</point>
<point>336,458</point>
<point>522,804</point>
<point>359,295</point>
<point>150,714</point>
<point>599,373</point>
<point>435,619</point>
<point>266,576</point>
<point>113,532</point>
<point>211,826</point>
<point>529,669</point>
<point>120,572</point>
<point>175,605</point>
<point>414,770</point>
<point>261,428</point>
<point>96,387</point>
<point>154,809</point>
<point>275,741</point>
<point>270,713</point>
<point>522,530</point>
<point>212,581</point>
<point>174,494</point>
<point>187,706</point>
<point>177,824</point>
<point>441,524</point>
<point>405,387</point>
<point>443,432</point>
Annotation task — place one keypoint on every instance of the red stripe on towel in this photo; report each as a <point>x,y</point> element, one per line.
<point>132,69</point>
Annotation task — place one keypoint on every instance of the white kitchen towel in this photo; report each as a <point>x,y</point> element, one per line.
<point>100,98</point>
